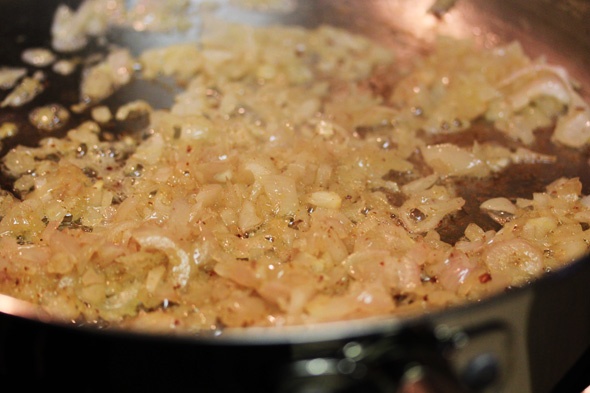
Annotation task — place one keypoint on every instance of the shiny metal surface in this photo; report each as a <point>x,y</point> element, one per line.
<point>531,337</point>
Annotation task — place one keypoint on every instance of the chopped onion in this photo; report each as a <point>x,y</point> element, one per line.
<point>25,92</point>
<point>38,57</point>
<point>450,160</point>
<point>9,76</point>
<point>327,199</point>
<point>49,117</point>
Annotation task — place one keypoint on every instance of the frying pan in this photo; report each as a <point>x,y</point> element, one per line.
<point>525,340</point>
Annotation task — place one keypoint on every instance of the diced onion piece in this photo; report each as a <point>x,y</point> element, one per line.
<point>154,277</point>
<point>101,80</point>
<point>64,67</point>
<point>573,129</point>
<point>10,76</point>
<point>539,227</point>
<point>455,270</point>
<point>523,155</point>
<point>177,257</point>
<point>282,192</point>
<point>327,199</point>
<point>182,61</point>
<point>517,257</point>
<point>451,160</point>
<point>548,85</point>
<point>248,219</point>
<point>49,117</point>
<point>420,184</point>
<point>420,217</point>
<point>39,57</point>
<point>132,109</point>
<point>239,272</point>
<point>8,130</point>
<point>499,205</point>
<point>70,29</point>
<point>25,92</point>
<point>101,114</point>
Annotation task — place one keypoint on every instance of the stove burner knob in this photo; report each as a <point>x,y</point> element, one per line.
<point>481,371</point>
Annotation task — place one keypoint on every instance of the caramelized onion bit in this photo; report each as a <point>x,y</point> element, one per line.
<point>49,117</point>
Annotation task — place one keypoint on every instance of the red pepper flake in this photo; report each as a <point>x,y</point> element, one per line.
<point>485,278</point>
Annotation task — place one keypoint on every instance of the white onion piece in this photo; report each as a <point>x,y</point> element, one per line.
<point>526,156</point>
<point>516,257</point>
<point>455,271</point>
<point>377,266</point>
<point>238,271</point>
<point>282,193</point>
<point>572,129</point>
<point>178,258</point>
<point>421,217</point>
<point>100,81</point>
<point>8,129</point>
<point>134,108</point>
<point>500,210</point>
<point>549,85</point>
<point>70,29</point>
<point>499,205</point>
<point>327,199</point>
<point>420,184</point>
<point>64,67</point>
<point>451,160</point>
<point>248,219</point>
<point>154,277</point>
<point>67,33</point>
<point>149,152</point>
<point>101,114</point>
<point>25,92</point>
<point>49,117</point>
<point>408,271</point>
<point>38,57</point>
<point>10,76</point>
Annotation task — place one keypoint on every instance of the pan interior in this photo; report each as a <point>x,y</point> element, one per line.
<point>410,32</point>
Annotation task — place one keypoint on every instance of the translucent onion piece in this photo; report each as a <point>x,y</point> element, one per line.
<point>450,160</point>
<point>9,76</point>
<point>25,92</point>
<point>38,57</point>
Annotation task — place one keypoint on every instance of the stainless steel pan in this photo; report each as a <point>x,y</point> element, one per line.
<point>522,341</point>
